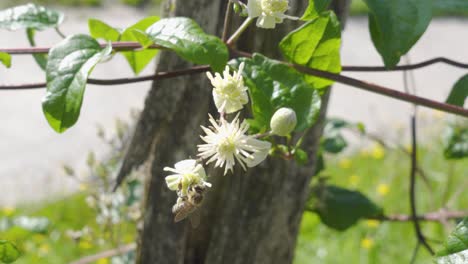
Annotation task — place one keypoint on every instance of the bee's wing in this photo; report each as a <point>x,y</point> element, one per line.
<point>183,213</point>
<point>195,219</point>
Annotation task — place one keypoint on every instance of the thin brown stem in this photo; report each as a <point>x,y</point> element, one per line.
<point>227,21</point>
<point>106,254</point>
<point>412,190</point>
<point>438,216</point>
<point>116,46</point>
<point>319,73</point>
<point>157,76</point>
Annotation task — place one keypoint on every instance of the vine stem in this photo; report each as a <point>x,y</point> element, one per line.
<point>235,53</point>
<point>106,254</point>
<point>239,31</point>
<point>420,236</point>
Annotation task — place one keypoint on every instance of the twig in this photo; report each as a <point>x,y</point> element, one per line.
<point>126,46</point>
<point>407,66</point>
<point>370,87</point>
<point>415,252</point>
<point>116,46</point>
<point>106,254</point>
<point>319,73</point>
<point>412,190</point>
<point>157,76</point>
<point>59,32</point>
<point>227,21</point>
<point>438,216</point>
<point>239,31</point>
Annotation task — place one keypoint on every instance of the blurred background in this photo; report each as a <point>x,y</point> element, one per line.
<point>41,172</point>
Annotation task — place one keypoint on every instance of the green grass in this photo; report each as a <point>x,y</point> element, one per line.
<point>380,174</point>
<point>385,180</point>
<point>54,246</point>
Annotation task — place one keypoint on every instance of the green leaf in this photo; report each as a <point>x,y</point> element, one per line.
<point>41,59</point>
<point>70,63</point>
<point>315,8</point>
<point>333,142</point>
<point>187,39</point>
<point>9,253</point>
<point>316,44</point>
<point>340,208</point>
<point>29,16</point>
<point>459,92</point>
<point>5,58</point>
<point>457,240</point>
<point>138,60</point>
<point>301,156</point>
<point>273,85</point>
<point>99,29</point>
<point>456,141</point>
<point>396,25</point>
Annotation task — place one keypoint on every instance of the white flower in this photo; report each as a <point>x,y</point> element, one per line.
<point>227,142</point>
<point>269,12</point>
<point>229,92</point>
<point>187,172</point>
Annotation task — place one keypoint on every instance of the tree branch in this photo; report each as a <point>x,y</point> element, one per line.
<point>414,219</point>
<point>106,254</point>
<point>319,73</point>
<point>157,76</point>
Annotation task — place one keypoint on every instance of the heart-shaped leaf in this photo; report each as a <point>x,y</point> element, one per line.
<point>396,25</point>
<point>316,44</point>
<point>340,208</point>
<point>459,92</point>
<point>138,60</point>
<point>29,16</point>
<point>189,41</point>
<point>5,58</point>
<point>69,65</point>
<point>457,240</point>
<point>273,85</point>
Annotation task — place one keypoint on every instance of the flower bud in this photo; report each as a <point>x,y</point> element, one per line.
<point>283,121</point>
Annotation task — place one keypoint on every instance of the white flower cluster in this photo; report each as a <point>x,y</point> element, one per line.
<point>225,143</point>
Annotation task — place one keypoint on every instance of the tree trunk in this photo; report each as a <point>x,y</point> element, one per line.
<point>248,217</point>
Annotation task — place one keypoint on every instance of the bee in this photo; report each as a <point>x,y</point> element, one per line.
<point>188,205</point>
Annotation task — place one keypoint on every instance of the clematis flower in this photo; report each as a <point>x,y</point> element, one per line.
<point>229,92</point>
<point>269,12</point>
<point>227,143</point>
<point>187,172</point>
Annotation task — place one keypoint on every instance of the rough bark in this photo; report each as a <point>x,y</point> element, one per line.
<point>248,217</point>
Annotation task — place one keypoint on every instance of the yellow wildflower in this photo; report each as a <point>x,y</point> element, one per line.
<point>353,180</point>
<point>367,243</point>
<point>378,152</point>
<point>103,261</point>
<point>44,249</point>
<point>84,244</point>
<point>383,189</point>
<point>372,223</point>
<point>8,211</point>
<point>345,163</point>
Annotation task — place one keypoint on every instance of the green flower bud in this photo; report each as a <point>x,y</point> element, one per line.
<point>283,121</point>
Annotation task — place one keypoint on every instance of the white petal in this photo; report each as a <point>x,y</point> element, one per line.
<point>185,165</point>
<point>266,22</point>
<point>254,8</point>
<point>172,182</point>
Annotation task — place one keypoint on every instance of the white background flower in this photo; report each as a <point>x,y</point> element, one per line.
<point>229,92</point>
<point>227,143</point>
